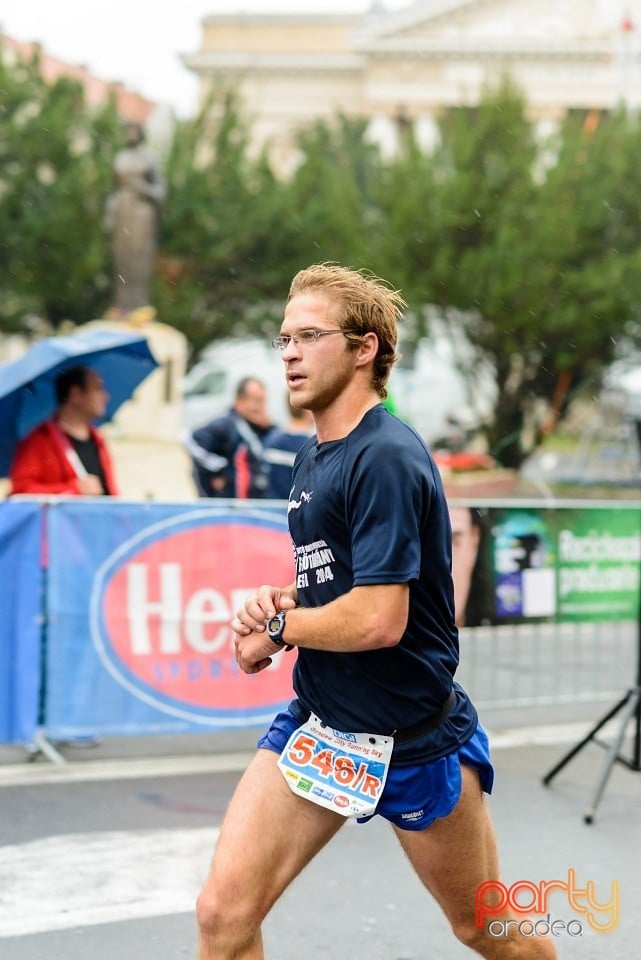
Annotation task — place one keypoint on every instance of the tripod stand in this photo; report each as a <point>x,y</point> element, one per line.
<point>630,707</point>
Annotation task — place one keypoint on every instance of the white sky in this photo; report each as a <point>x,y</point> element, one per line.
<point>139,41</point>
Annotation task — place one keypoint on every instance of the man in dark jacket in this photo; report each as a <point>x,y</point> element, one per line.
<point>281,449</point>
<point>227,453</point>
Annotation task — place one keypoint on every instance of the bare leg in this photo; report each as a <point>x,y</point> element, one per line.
<point>452,857</point>
<point>268,835</point>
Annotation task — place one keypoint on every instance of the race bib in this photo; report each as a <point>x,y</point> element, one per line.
<point>344,772</point>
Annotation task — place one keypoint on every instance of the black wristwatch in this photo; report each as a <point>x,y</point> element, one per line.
<point>275,627</point>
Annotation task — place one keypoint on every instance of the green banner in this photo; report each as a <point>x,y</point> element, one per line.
<point>532,563</point>
<point>598,565</point>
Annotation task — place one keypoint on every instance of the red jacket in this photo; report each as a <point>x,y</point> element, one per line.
<point>40,464</point>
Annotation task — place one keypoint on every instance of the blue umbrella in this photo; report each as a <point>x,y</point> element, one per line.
<point>27,395</point>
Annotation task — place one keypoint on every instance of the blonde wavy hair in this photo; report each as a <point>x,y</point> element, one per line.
<point>366,303</point>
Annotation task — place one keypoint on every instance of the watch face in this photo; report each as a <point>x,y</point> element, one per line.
<point>275,627</point>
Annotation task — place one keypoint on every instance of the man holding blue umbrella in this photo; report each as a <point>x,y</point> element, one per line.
<point>66,454</point>
<point>53,398</point>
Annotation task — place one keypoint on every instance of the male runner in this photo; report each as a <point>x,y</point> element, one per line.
<point>379,725</point>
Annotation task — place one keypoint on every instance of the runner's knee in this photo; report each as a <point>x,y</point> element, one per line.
<point>483,942</point>
<point>209,914</point>
<point>223,923</point>
<point>465,930</point>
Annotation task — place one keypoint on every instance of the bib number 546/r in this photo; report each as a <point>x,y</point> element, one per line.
<point>344,772</point>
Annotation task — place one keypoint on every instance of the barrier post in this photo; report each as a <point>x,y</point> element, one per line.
<point>20,663</point>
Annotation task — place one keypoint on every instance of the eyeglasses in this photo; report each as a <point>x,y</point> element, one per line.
<point>304,337</point>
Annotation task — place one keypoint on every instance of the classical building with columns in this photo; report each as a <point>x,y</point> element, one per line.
<point>407,65</point>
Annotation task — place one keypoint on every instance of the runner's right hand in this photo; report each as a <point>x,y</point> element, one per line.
<point>260,607</point>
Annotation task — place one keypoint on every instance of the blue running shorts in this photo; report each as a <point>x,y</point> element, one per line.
<point>414,796</point>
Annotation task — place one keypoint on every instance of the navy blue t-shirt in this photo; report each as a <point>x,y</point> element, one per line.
<point>370,509</point>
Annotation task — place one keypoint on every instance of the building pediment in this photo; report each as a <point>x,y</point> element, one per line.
<point>410,64</point>
<point>496,23</point>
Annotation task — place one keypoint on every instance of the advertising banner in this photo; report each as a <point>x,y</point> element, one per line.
<point>20,619</point>
<point>518,563</point>
<point>140,598</point>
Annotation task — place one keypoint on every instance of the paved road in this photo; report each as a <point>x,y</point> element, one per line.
<point>103,858</point>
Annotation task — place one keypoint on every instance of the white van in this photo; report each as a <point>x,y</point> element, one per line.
<point>429,389</point>
<point>209,388</point>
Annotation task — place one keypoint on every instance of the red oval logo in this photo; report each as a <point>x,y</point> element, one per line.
<point>341,800</point>
<point>165,607</point>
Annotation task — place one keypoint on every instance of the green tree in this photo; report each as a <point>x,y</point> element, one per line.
<point>223,208</point>
<point>541,264</point>
<point>234,233</point>
<point>55,172</point>
<point>406,236</point>
<point>330,195</point>
<point>485,200</point>
<point>588,232</point>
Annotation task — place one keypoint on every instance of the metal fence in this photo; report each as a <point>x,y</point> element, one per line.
<point>542,664</point>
